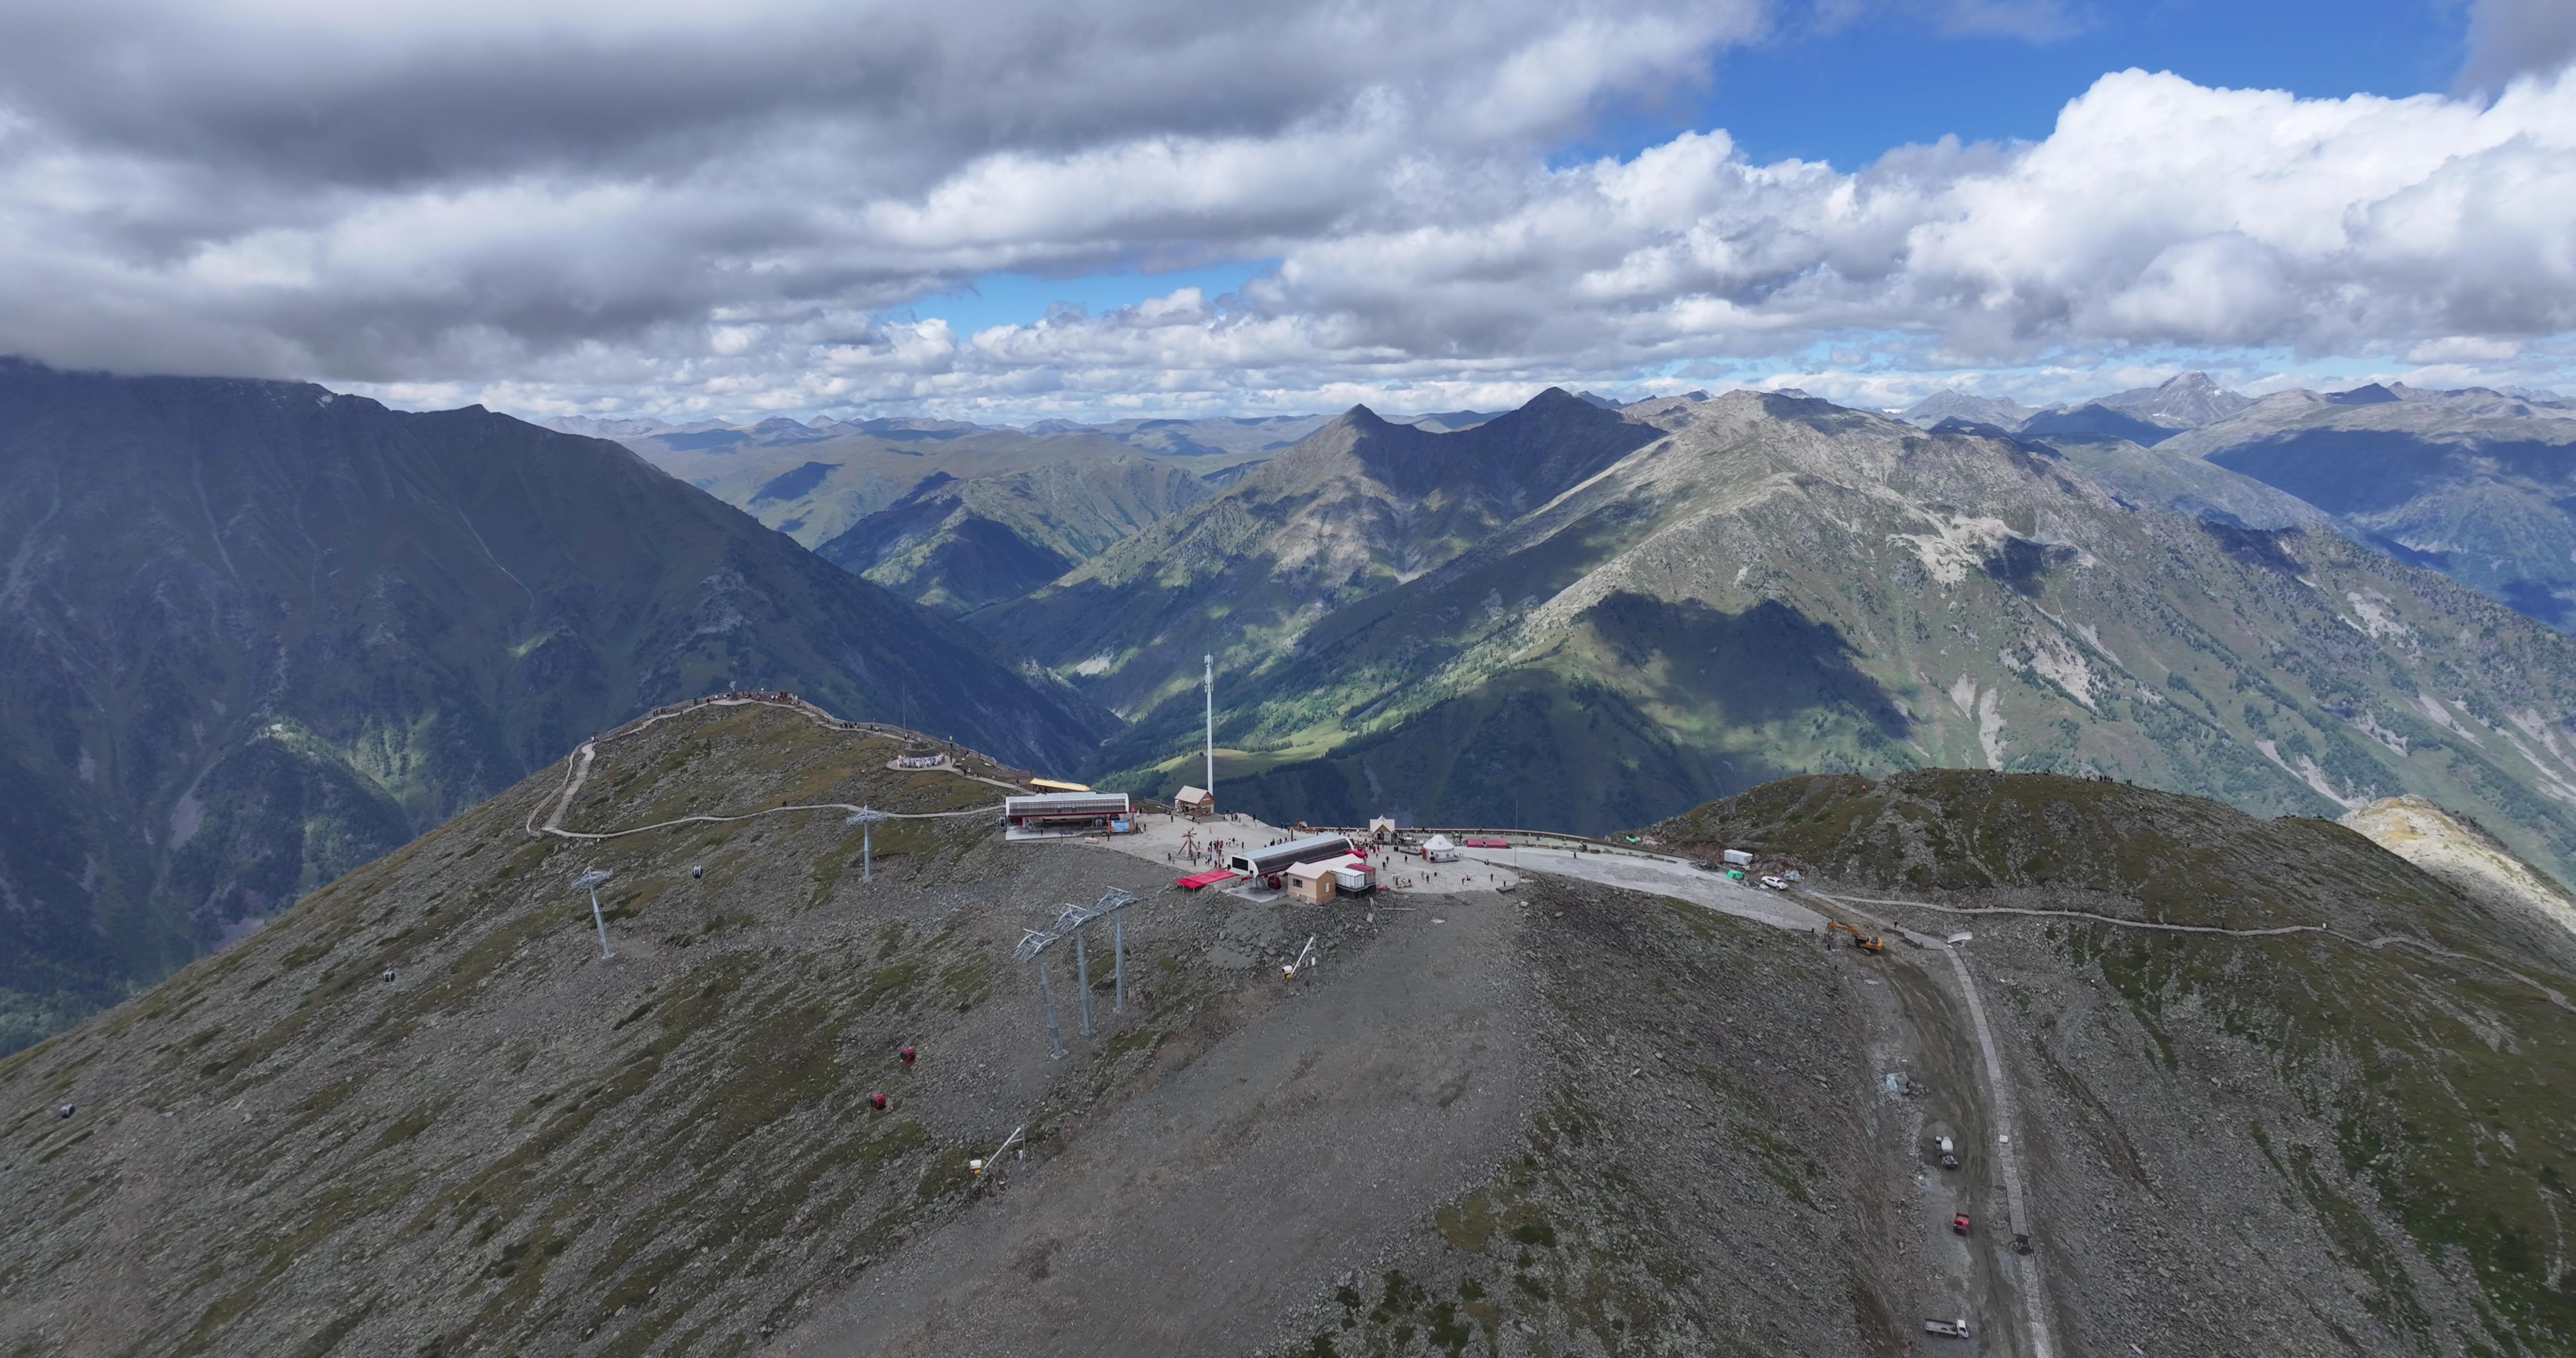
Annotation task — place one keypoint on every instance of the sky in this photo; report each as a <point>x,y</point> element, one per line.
<point>1007,211</point>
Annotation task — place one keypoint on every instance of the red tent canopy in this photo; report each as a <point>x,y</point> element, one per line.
<point>1210,878</point>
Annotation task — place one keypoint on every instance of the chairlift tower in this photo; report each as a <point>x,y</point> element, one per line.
<point>590,881</point>
<point>1032,949</point>
<point>866,820</point>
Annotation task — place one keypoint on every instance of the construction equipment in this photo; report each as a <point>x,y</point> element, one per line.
<point>1955,1329</point>
<point>1864,942</point>
<point>1959,1224</point>
<point>1949,1154</point>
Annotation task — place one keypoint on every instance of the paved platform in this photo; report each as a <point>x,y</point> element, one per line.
<point>1662,877</point>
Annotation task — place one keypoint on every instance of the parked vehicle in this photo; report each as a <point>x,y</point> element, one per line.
<point>1949,1153</point>
<point>1959,1224</point>
<point>1774,884</point>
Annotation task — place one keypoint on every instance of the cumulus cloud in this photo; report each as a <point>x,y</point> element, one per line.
<point>2509,38</point>
<point>681,209</point>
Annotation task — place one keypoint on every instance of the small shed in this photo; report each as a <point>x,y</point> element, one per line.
<point>1438,849</point>
<point>1316,883</point>
<point>1194,801</point>
<point>1311,882</point>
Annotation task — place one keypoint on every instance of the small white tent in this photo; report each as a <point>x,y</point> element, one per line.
<point>1438,849</point>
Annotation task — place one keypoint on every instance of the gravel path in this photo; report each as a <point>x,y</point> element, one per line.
<point>577,772</point>
<point>1241,1186</point>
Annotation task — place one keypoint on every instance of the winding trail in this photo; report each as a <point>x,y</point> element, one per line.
<point>2384,941</point>
<point>577,772</point>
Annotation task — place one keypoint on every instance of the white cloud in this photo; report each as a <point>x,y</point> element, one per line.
<point>668,212</point>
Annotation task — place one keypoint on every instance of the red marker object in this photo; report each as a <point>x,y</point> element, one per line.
<point>877,1101</point>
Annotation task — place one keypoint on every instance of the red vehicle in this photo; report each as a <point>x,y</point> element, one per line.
<point>1486,842</point>
<point>1959,1224</point>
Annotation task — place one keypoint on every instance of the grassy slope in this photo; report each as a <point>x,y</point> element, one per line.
<point>2431,1095</point>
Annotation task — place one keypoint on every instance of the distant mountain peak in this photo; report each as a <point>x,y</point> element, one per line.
<point>1946,404</point>
<point>2184,401</point>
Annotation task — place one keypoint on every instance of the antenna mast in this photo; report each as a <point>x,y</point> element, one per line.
<point>1211,725</point>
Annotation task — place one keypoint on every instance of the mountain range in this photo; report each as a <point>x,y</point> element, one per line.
<point>258,633</point>
<point>1682,598</point>
<point>2475,483</point>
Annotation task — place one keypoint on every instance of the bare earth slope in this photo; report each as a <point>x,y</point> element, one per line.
<point>2462,853</point>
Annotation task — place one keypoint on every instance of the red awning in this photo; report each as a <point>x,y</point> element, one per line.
<point>1199,879</point>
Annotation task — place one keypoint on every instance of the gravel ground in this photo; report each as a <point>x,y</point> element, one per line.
<point>1372,1087</point>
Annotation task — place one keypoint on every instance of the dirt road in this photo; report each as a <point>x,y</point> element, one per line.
<point>1241,1185</point>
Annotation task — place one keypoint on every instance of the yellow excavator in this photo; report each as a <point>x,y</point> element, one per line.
<point>1864,942</point>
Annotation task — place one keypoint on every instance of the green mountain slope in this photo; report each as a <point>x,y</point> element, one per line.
<point>1353,509</point>
<point>815,483</point>
<point>2470,483</point>
<point>1774,585</point>
<point>959,545</point>
<point>257,634</point>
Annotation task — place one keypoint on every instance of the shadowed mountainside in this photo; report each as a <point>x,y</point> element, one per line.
<point>959,545</point>
<point>257,633</point>
<point>1355,507</point>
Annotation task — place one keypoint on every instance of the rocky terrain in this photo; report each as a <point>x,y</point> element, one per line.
<point>254,634</point>
<point>419,1113</point>
<point>2347,1140</point>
